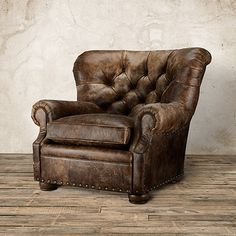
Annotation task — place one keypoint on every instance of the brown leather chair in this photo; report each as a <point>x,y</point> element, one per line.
<point>128,129</point>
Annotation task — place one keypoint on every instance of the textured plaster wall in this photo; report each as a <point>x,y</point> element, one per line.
<point>40,39</point>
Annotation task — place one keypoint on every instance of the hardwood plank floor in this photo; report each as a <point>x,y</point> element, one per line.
<point>203,203</point>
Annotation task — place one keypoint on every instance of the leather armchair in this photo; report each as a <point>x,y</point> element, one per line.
<point>128,129</point>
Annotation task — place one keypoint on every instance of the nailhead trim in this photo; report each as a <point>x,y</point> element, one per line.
<point>59,182</point>
<point>113,189</point>
<point>165,182</point>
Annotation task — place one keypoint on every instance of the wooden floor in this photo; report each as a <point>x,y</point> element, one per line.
<point>204,203</point>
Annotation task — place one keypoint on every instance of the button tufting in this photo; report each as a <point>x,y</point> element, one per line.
<point>109,83</point>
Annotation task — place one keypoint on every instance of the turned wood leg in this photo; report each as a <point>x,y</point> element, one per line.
<point>47,187</point>
<point>139,199</point>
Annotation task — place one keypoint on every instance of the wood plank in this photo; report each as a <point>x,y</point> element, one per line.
<point>203,203</point>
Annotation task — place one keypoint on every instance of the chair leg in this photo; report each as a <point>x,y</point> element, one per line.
<point>139,199</point>
<point>47,187</point>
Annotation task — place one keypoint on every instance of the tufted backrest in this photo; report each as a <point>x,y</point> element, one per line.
<point>119,80</point>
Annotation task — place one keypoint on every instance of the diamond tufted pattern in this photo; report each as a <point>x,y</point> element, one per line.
<point>119,80</point>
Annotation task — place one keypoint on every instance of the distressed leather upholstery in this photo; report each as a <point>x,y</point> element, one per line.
<point>83,166</point>
<point>91,129</point>
<point>128,129</point>
<point>119,80</point>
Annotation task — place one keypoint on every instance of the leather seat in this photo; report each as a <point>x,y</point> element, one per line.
<point>91,129</point>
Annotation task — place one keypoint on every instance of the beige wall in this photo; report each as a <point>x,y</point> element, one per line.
<point>40,39</point>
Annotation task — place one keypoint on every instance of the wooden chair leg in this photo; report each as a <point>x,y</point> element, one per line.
<point>47,187</point>
<point>139,199</point>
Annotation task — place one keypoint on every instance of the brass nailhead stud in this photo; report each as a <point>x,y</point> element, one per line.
<point>54,181</point>
<point>73,184</point>
<point>92,186</point>
<point>86,185</point>
<point>67,183</point>
<point>120,190</point>
<point>113,189</point>
<point>80,185</point>
<point>106,188</point>
<point>99,187</point>
<point>48,181</point>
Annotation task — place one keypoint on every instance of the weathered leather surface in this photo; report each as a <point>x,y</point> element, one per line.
<point>91,129</point>
<point>158,90</point>
<point>89,167</point>
<point>54,109</point>
<point>118,80</point>
<point>45,111</point>
<point>87,153</point>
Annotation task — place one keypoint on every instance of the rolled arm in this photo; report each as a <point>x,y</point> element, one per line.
<point>154,125</point>
<point>163,126</point>
<point>45,111</point>
<point>162,118</point>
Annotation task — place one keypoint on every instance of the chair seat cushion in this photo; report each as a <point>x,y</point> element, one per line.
<point>91,129</point>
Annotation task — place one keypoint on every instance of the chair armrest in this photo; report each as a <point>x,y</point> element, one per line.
<point>161,129</point>
<point>45,111</point>
<point>158,127</point>
<point>158,118</point>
